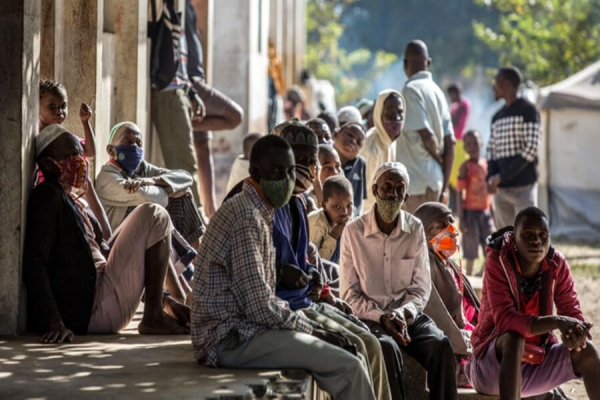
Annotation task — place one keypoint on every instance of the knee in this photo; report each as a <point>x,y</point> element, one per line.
<point>443,346</point>
<point>234,115</point>
<point>154,213</point>
<point>510,343</point>
<point>586,360</point>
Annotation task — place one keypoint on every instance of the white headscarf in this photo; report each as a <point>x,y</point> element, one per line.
<point>48,135</point>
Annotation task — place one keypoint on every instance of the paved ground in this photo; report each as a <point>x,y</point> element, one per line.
<point>124,366</point>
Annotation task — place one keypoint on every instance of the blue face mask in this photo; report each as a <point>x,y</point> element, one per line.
<point>129,157</point>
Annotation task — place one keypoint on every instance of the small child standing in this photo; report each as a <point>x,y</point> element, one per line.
<point>320,127</point>
<point>348,141</point>
<point>241,165</point>
<point>54,109</point>
<point>327,224</point>
<point>476,222</point>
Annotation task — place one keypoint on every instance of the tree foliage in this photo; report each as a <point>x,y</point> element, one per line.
<point>548,40</point>
<point>445,25</point>
<point>350,71</point>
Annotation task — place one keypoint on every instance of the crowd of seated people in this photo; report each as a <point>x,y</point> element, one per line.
<point>311,262</point>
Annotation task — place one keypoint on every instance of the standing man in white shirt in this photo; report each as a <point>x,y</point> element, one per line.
<point>426,145</point>
<point>385,278</point>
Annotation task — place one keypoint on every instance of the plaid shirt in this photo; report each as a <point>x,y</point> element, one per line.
<point>515,132</point>
<point>234,280</point>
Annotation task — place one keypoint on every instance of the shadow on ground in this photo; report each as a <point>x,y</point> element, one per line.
<point>125,366</point>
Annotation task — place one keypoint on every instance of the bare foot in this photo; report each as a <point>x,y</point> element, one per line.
<point>177,310</point>
<point>163,325</point>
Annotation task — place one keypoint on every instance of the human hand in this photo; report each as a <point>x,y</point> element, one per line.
<point>315,292</point>
<point>574,333</point>
<point>85,113</point>
<point>186,192</point>
<point>396,326</point>
<point>133,184</point>
<point>444,197</point>
<point>492,184</point>
<point>293,277</point>
<point>199,108</point>
<point>337,231</point>
<point>339,304</point>
<point>335,338</point>
<point>58,334</point>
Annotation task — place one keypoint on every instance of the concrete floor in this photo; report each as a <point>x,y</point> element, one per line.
<point>123,366</point>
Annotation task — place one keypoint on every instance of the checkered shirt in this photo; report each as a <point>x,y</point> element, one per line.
<point>515,132</point>
<point>234,280</point>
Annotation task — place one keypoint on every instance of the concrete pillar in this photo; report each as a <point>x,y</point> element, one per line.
<point>125,70</point>
<point>240,70</point>
<point>19,96</point>
<point>81,67</point>
<point>204,23</point>
<point>276,24</point>
<point>287,43</point>
<point>51,37</point>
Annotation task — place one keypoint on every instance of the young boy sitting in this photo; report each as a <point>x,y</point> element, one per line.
<point>327,224</point>
<point>476,222</point>
<point>330,164</point>
<point>241,165</point>
<point>515,351</point>
<point>348,141</point>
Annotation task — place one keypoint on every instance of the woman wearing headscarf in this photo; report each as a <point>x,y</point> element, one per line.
<point>379,147</point>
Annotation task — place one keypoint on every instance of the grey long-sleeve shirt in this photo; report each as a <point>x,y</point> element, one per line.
<point>116,200</point>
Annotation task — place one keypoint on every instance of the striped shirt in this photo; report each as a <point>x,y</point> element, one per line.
<point>234,280</point>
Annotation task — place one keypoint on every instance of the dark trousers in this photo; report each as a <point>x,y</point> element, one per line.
<point>430,348</point>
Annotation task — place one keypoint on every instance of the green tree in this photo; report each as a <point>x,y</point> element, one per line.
<point>547,39</point>
<point>350,72</point>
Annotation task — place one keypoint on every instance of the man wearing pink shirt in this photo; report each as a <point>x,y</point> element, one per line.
<point>459,111</point>
<point>385,278</point>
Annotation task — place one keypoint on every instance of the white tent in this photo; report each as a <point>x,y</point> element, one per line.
<point>569,154</point>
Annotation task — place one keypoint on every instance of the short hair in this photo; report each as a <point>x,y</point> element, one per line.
<point>326,149</point>
<point>267,145</point>
<point>455,87</point>
<point>474,133</point>
<point>530,211</point>
<point>249,141</point>
<point>51,86</point>
<point>335,185</point>
<point>330,119</point>
<point>511,74</point>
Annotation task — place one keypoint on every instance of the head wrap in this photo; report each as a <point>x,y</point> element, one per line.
<point>428,212</point>
<point>364,106</point>
<point>48,135</point>
<point>378,113</point>
<point>279,127</point>
<point>349,114</point>
<point>392,166</point>
<point>296,133</point>
<point>115,128</point>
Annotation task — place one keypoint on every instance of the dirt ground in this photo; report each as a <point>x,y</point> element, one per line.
<point>585,264</point>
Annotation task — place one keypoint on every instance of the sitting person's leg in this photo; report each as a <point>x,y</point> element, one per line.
<point>336,371</point>
<point>314,315</point>
<point>432,349</point>
<point>376,360</point>
<point>138,263</point>
<point>186,219</point>
<point>392,356</point>
<point>500,370</point>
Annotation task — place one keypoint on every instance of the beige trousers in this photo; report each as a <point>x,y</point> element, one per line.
<point>119,286</point>
<point>366,343</point>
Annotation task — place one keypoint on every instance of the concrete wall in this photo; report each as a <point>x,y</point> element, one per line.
<point>240,71</point>
<point>99,50</point>
<point>19,75</point>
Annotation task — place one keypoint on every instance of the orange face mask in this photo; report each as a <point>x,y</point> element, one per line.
<point>445,243</point>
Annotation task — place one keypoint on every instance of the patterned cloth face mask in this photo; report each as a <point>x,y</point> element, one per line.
<point>445,243</point>
<point>278,192</point>
<point>388,209</point>
<point>74,172</point>
<point>304,179</point>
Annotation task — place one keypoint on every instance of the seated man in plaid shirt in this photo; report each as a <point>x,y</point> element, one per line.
<point>237,321</point>
<point>512,150</point>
